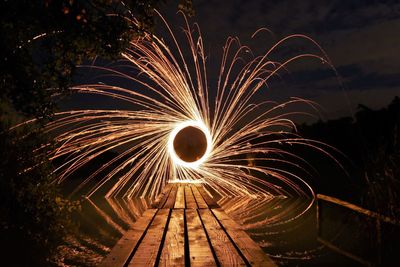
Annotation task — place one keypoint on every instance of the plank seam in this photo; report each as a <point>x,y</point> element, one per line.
<point>230,238</point>
<point>187,251</point>
<point>166,198</point>
<point>176,193</point>
<point>184,197</point>
<point>195,200</point>
<point>201,196</point>
<point>211,206</point>
<point>160,248</point>
<point>208,239</point>
<point>140,240</point>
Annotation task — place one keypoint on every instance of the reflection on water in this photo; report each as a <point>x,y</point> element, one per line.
<point>280,226</point>
<point>325,234</point>
<point>100,224</point>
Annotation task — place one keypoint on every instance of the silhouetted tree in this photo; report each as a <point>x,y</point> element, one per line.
<point>372,142</point>
<point>42,42</point>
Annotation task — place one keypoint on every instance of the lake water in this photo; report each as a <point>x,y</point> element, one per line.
<point>292,231</point>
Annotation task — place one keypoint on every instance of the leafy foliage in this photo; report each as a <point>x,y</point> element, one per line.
<point>372,141</point>
<point>44,40</point>
<point>33,214</point>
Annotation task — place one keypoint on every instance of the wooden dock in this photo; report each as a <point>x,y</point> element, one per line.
<point>186,227</point>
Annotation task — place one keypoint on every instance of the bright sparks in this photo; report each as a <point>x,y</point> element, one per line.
<point>249,144</point>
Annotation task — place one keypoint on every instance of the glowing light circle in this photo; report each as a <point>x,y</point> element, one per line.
<point>186,126</point>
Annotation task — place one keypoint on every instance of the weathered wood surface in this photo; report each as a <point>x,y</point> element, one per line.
<point>211,203</point>
<point>224,249</point>
<point>180,198</point>
<point>170,203</point>
<point>173,251</point>
<point>162,198</point>
<point>189,198</point>
<point>250,250</point>
<point>121,252</point>
<point>186,227</point>
<point>199,250</point>
<point>201,203</point>
<point>147,252</point>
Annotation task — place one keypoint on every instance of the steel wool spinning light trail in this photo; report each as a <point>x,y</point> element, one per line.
<point>245,145</point>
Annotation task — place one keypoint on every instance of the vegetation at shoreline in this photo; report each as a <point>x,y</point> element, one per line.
<point>371,140</point>
<point>43,42</point>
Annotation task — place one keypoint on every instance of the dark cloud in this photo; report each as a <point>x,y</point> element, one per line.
<point>361,38</point>
<point>374,80</point>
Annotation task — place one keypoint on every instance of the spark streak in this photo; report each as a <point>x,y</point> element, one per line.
<point>248,142</point>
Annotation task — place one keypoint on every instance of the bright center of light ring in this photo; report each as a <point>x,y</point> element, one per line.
<point>190,144</point>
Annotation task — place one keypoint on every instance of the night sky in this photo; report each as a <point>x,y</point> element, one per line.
<point>362,39</point>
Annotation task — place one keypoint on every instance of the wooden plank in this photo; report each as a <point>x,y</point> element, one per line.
<point>199,249</point>
<point>173,252</point>
<point>189,198</point>
<point>359,209</point>
<point>124,247</point>
<point>180,197</point>
<point>199,199</point>
<point>249,249</point>
<point>146,253</point>
<point>170,203</point>
<point>162,198</point>
<point>207,197</point>
<point>226,252</point>
<point>208,238</point>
